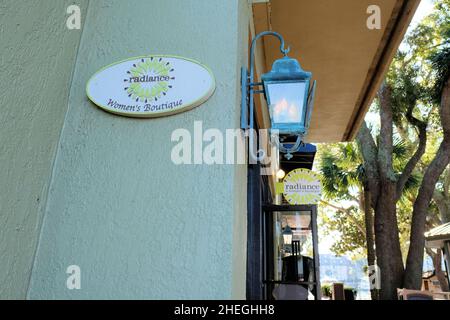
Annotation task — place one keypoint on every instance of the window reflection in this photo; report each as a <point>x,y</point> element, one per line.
<point>293,262</point>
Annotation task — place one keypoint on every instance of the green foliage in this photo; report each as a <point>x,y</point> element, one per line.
<point>342,175</point>
<point>342,171</point>
<point>416,78</point>
<point>406,91</point>
<point>429,48</point>
<point>326,290</point>
<point>441,65</point>
<point>351,239</point>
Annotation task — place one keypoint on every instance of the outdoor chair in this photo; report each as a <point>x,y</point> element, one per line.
<point>338,292</point>
<point>406,294</point>
<point>441,295</point>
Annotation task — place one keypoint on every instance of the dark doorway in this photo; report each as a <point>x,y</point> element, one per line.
<point>291,263</point>
<point>267,262</point>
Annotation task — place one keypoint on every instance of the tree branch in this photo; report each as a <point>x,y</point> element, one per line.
<point>439,200</point>
<point>368,149</point>
<point>348,213</point>
<point>385,145</point>
<point>421,127</point>
<point>351,197</point>
<point>437,166</point>
<point>447,183</point>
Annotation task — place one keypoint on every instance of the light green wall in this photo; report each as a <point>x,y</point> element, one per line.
<point>137,225</point>
<point>239,251</point>
<point>37,54</point>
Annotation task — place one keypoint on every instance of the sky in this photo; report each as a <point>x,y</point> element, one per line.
<point>424,9</point>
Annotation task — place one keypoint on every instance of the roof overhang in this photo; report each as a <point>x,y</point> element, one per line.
<point>436,237</point>
<point>331,39</point>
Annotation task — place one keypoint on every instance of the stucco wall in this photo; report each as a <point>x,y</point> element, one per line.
<point>37,54</point>
<point>138,225</point>
<point>239,201</point>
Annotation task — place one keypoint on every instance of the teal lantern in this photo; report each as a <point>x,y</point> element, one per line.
<point>287,235</point>
<point>289,92</point>
<point>289,95</point>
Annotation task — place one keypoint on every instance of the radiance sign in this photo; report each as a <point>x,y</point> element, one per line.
<point>302,186</point>
<point>151,86</point>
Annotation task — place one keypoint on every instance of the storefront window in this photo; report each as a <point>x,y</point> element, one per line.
<point>293,258</point>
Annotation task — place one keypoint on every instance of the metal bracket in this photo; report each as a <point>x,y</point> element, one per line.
<point>244,98</point>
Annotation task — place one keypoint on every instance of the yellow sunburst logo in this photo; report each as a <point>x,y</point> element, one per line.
<point>302,186</point>
<point>149,79</point>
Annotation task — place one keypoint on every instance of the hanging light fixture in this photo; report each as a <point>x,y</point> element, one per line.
<point>289,94</point>
<point>287,235</point>
<point>281,174</point>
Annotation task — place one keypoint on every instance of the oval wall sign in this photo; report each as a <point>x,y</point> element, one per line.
<point>151,86</point>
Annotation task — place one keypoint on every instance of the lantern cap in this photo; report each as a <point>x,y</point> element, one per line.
<point>286,68</point>
<point>287,230</point>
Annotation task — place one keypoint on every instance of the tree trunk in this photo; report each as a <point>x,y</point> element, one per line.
<point>383,190</point>
<point>388,252</point>
<point>370,239</point>
<point>437,264</point>
<point>440,274</point>
<point>414,262</point>
<point>442,198</point>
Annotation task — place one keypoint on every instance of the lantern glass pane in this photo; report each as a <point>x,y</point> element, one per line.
<point>287,238</point>
<point>287,101</point>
